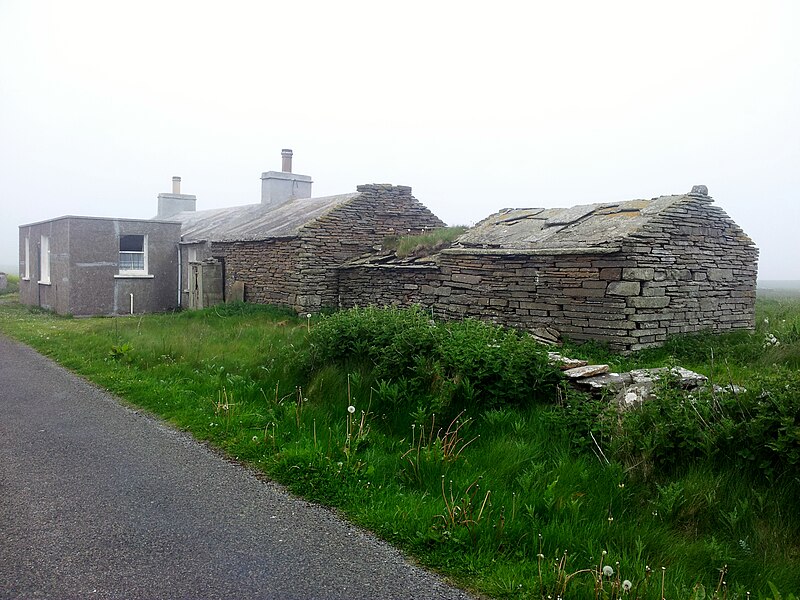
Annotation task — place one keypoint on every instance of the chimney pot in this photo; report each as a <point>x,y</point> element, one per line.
<point>286,162</point>
<point>176,185</point>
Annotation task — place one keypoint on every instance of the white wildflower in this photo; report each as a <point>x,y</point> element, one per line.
<point>608,570</point>
<point>627,585</point>
<point>351,409</point>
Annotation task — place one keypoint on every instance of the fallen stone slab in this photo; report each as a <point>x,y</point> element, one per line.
<point>545,335</point>
<point>643,382</point>
<point>586,371</point>
<point>610,381</point>
<point>564,362</point>
<point>632,388</point>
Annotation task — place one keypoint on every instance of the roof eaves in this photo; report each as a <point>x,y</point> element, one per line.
<point>533,251</point>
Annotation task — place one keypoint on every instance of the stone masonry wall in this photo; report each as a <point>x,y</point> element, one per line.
<point>350,230</point>
<point>381,285</point>
<point>267,268</point>
<point>301,271</point>
<point>690,269</point>
<point>697,270</point>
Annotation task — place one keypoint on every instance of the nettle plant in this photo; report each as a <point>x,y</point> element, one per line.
<point>446,367</point>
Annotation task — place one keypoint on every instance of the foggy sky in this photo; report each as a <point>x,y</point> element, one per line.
<point>477,106</point>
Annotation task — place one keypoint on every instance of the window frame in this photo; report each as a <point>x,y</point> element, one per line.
<point>144,271</point>
<point>27,271</point>
<point>44,260</point>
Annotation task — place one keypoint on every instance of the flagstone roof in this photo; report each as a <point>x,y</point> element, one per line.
<point>592,227</point>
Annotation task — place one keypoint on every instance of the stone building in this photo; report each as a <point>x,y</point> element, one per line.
<point>627,273</point>
<point>99,266</point>
<point>289,254</point>
<point>286,250</point>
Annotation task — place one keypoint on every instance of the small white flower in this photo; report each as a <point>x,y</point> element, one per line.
<point>308,316</point>
<point>627,585</point>
<point>608,570</point>
<point>351,409</point>
<point>255,438</point>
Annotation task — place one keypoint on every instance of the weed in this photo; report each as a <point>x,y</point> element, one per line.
<point>691,482</point>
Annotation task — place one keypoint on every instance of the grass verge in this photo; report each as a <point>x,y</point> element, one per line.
<point>430,435</point>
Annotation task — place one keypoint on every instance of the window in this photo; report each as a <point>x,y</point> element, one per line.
<point>27,272</point>
<point>44,260</point>
<point>133,255</point>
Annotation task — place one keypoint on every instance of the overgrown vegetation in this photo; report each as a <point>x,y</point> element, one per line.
<point>458,443</point>
<point>425,243</point>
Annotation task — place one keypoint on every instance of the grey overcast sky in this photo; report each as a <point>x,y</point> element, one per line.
<point>476,105</point>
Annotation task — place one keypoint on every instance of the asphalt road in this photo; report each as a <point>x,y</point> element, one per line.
<point>100,501</point>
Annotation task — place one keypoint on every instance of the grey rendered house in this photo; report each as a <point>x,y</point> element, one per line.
<point>99,266</point>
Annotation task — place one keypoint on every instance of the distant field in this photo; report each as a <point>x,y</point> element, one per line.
<point>779,288</point>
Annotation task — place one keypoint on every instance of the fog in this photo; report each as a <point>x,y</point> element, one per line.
<point>477,106</point>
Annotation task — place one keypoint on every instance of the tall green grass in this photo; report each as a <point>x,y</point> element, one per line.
<point>12,286</point>
<point>466,450</point>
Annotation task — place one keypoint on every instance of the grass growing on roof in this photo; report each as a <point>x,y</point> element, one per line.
<point>466,450</point>
<point>425,243</point>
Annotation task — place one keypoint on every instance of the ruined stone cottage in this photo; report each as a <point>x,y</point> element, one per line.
<point>287,249</point>
<point>625,273</point>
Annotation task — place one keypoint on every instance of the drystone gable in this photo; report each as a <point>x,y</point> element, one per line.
<point>696,270</point>
<point>350,230</point>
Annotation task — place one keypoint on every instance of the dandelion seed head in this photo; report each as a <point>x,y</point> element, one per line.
<point>608,570</point>
<point>351,409</point>
<point>627,585</point>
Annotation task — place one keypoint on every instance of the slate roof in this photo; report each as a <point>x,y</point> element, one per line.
<point>256,221</point>
<point>587,228</point>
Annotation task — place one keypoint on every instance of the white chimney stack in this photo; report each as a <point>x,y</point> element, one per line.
<point>174,203</point>
<point>279,187</point>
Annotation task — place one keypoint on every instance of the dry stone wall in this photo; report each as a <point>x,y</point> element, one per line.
<point>350,230</point>
<point>268,269</point>
<point>697,270</point>
<point>689,269</point>
<point>301,271</point>
<point>382,285</point>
